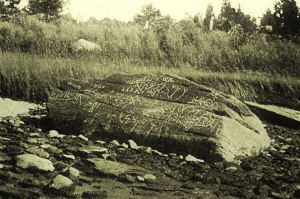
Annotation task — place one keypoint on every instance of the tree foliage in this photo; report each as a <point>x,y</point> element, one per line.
<point>8,8</point>
<point>287,21</point>
<point>267,22</point>
<point>208,16</point>
<point>284,21</point>
<point>148,14</point>
<point>47,9</point>
<point>198,20</point>
<point>229,17</point>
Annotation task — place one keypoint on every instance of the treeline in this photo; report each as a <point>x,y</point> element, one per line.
<point>153,39</point>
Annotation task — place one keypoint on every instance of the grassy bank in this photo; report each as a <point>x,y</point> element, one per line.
<point>33,77</point>
<point>183,45</point>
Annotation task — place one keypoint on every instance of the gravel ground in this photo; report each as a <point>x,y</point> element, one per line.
<point>273,174</point>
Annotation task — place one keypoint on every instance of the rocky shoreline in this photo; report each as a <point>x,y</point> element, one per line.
<point>36,162</point>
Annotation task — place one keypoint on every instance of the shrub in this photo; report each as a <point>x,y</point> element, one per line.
<point>182,44</point>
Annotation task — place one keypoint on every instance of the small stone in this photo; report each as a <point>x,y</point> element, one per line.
<point>61,136</point>
<point>181,157</point>
<point>285,147</point>
<point>273,149</point>
<point>275,194</point>
<point>73,136</point>
<point>132,144</point>
<point>191,158</point>
<point>149,177</point>
<point>124,145</point>
<point>63,185</point>
<point>157,152</point>
<point>83,137</point>
<point>45,146</point>
<point>140,178</point>
<point>100,142</point>
<point>288,139</point>
<point>115,142</point>
<point>39,152</point>
<point>173,155</point>
<point>19,130</point>
<point>32,141</point>
<point>144,149</point>
<point>268,154</point>
<point>1,166</point>
<point>93,149</point>
<point>121,149</point>
<point>53,134</point>
<point>28,160</point>
<point>72,157</point>
<point>127,178</point>
<point>54,149</point>
<point>105,155</point>
<point>148,150</point>
<point>34,135</point>
<point>231,169</point>
<point>4,138</point>
<point>61,181</point>
<point>74,172</point>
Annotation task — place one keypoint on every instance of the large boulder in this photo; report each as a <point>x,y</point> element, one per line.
<point>84,45</point>
<point>163,111</point>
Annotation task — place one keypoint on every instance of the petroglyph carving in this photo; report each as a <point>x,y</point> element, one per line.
<point>202,101</point>
<point>149,85</point>
<point>158,109</point>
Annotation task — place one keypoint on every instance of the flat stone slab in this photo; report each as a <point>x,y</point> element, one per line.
<point>276,115</point>
<point>13,108</point>
<point>26,161</point>
<point>108,167</point>
<point>163,111</point>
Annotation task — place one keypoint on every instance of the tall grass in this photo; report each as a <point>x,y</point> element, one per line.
<point>184,45</point>
<point>35,56</point>
<point>33,77</point>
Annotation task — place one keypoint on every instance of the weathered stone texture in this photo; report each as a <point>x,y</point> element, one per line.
<point>162,110</point>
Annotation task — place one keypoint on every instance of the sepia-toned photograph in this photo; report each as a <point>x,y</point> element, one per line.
<point>158,99</point>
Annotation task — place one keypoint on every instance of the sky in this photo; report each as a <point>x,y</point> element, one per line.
<point>125,10</point>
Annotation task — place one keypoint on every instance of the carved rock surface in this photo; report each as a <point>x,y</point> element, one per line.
<point>164,111</point>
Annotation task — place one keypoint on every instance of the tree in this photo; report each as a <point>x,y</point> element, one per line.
<point>8,8</point>
<point>267,19</point>
<point>230,17</point>
<point>47,9</point>
<point>226,16</point>
<point>267,22</point>
<point>287,18</point>
<point>198,20</point>
<point>208,17</point>
<point>149,15</point>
